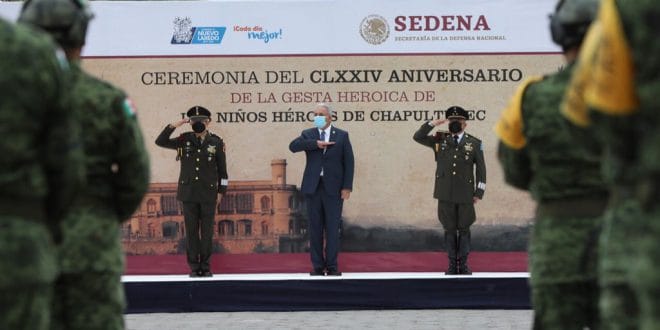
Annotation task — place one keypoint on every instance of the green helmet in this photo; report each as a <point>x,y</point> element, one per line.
<point>571,21</point>
<point>65,20</point>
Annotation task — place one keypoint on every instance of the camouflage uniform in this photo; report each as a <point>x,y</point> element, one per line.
<point>618,80</point>
<point>41,168</point>
<point>571,195</point>
<point>89,289</point>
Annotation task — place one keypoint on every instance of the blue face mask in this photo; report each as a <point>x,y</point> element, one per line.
<point>319,121</point>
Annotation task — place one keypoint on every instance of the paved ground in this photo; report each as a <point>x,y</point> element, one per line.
<point>387,319</point>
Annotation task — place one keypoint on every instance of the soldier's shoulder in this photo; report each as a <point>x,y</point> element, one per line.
<point>24,37</point>
<point>100,85</point>
<point>472,138</point>
<point>22,43</point>
<point>215,138</point>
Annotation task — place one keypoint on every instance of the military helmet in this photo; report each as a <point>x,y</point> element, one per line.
<point>65,20</point>
<point>570,21</point>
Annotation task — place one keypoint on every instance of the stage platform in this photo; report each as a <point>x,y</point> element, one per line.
<point>352,262</point>
<point>281,282</point>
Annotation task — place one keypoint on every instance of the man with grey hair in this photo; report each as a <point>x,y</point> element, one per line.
<point>327,182</point>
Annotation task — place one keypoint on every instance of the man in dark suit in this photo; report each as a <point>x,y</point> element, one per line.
<point>459,157</point>
<point>327,182</point>
<point>203,176</point>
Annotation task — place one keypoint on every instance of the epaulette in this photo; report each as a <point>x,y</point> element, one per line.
<point>472,137</point>
<point>215,136</point>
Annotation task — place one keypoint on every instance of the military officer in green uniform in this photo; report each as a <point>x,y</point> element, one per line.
<point>460,181</point>
<point>538,153</point>
<point>89,292</point>
<point>41,169</point>
<point>614,97</point>
<point>203,176</point>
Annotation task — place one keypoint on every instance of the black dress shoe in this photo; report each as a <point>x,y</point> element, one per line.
<point>317,272</point>
<point>206,273</point>
<point>464,270</point>
<point>194,273</point>
<point>334,272</point>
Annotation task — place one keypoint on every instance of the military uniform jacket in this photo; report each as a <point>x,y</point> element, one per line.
<point>457,166</point>
<point>42,160</point>
<point>117,175</point>
<point>203,165</point>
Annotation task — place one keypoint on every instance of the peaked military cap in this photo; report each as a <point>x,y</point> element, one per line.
<point>198,111</point>
<point>456,112</point>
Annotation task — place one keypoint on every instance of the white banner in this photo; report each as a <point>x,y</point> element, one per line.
<point>174,28</point>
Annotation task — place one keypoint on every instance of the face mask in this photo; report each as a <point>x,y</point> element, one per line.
<point>198,127</point>
<point>319,121</point>
<point>455,127</point>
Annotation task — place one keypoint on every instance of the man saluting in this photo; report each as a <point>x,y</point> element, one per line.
<point>459,157</point>
<point>203,176</point>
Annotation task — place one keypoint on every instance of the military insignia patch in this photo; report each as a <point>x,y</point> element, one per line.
<point>468,146</point>
<point>129,108</point>
<point>61,59</point>
<point>211,149</point>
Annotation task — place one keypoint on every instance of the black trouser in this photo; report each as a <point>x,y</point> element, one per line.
<point>324,212</point>
<point>456,219</point>
<point>199,234</point>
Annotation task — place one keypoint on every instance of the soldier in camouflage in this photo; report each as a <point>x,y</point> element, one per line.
<point>88,291</point>
<point>538,154</point>
<point>459,157</point>
<point>613,97</point>
<point>203,176</point>
<point>41,168</point>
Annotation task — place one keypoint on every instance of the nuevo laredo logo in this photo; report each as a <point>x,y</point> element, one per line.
<point>374,29</point>
<point>185,33</point>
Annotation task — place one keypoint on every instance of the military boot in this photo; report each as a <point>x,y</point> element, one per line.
<point>450,243</point>
<point>463,252</point>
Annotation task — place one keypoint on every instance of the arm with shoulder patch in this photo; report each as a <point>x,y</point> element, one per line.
<point>131,175</point>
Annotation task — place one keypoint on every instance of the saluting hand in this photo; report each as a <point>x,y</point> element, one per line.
<point>438,122</point>
<point>180,122</point>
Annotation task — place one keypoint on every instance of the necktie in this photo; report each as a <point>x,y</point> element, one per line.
<point>456,140</point>
<point>324,149</point>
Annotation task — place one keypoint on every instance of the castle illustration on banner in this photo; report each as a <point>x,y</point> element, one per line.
<point>260,216</point>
